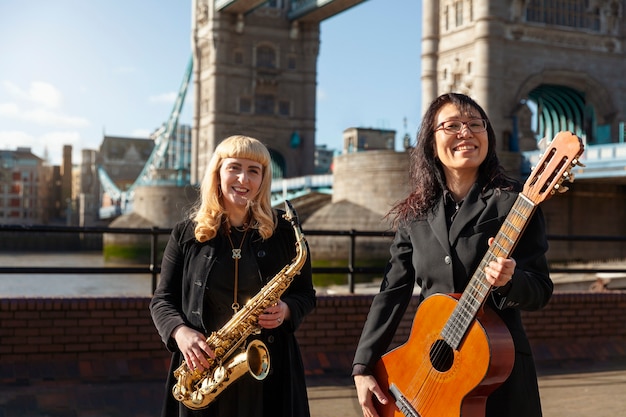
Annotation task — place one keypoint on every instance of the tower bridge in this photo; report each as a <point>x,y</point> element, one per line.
<point>253,71</point>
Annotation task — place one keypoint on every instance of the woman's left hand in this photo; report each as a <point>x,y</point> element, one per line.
<point>500,271</point>
<point>274,316</point>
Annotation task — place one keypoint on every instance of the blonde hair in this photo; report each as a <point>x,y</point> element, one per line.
<point>210,212</point>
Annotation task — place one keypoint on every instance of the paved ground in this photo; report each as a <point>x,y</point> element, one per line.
<point>598,391</point>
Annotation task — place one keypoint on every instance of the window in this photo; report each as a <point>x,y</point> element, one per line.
<point>238,58</point>
<point>291,62</point>
<point>264,104</point>
<point>265,57</point>
<point>458,12</point>
<point>571,13</point>
<point>284,108</point>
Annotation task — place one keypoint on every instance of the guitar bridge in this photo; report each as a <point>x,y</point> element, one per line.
<point>402,403</point>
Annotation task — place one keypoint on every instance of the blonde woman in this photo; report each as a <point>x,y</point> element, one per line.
<point>232,245</point>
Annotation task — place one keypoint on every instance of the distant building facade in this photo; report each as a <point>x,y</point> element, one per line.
<point>323,160</point>
<point>23,193</point>
<point>357,139</point>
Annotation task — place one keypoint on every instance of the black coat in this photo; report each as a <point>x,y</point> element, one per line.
<point>439,260</point>
<point>179,298</point>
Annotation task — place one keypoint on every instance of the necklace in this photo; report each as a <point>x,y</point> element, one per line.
<point>236,255</point>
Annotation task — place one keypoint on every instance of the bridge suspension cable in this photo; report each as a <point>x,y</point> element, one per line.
<point>148,175</point>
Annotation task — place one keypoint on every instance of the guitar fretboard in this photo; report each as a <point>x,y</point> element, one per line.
<point>478,287</point>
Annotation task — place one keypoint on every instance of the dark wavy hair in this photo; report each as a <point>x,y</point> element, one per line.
<point>427,178</point>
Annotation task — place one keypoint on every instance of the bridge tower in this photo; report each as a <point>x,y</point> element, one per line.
<point>536,66</point>
<point>255,66</point>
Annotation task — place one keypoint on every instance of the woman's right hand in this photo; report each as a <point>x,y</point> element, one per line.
<point>366,388</point>
<point>193,346</point>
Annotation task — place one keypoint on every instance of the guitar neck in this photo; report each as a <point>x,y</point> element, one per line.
<point>478,287</point>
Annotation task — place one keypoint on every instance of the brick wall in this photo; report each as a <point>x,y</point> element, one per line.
<point>110,338</point>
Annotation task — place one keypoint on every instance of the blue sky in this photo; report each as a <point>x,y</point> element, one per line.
<point>72,71</point>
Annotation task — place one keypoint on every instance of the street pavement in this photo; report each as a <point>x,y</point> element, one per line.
<point>590,391</point>
<point>599,391</point>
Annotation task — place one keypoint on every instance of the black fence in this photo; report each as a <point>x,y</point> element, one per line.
<point>82,234</point>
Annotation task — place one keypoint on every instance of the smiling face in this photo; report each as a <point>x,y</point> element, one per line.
<point>460,153</point>
<point>240,180</point>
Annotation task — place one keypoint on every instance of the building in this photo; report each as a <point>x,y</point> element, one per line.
<point>323,160</point>
<point>561,61</point>
<point>23,190</point>
<point>357,139</point>
<point>255,70</point>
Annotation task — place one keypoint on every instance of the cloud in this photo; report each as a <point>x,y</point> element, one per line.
<point>141,133</point>
<point>46,146</point>
<point>48,118</point>
<point>61,138</point>
<point>41,116</point>
<point>167,98</point>
<point>9,110</point>
<point>11,139</point>
<point>39,92</point>
<point>38,105</point>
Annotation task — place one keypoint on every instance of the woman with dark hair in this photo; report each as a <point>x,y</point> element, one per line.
<point>231,246</point>
<point>459,198</point>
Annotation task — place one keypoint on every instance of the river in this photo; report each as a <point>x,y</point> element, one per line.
<point>68,285</point>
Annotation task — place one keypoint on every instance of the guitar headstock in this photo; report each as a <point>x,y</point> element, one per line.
<point>554,167</point>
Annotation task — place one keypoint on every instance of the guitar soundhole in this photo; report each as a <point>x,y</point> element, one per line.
<point>441,356</point>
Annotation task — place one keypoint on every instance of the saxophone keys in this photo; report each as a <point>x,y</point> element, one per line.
<point>179,392</point>
<point>219,374</point>
<point>206,386</point>
<point>197,397</point>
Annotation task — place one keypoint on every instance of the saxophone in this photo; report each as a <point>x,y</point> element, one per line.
<point>197,389</point>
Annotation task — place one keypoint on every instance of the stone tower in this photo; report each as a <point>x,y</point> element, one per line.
<point>563,60</point>
<point>255,67</point>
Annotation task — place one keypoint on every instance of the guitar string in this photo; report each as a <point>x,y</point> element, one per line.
<point>476,293</point>
<point>429,392</point>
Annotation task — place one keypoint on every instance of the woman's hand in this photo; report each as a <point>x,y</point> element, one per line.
<point>275,315</point>
<point>500,272</point>
<point>366,388</point>
<point>193,346</point>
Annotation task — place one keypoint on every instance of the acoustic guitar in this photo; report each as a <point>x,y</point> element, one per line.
<point>459,351</point>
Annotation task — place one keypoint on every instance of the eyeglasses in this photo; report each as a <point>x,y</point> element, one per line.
<point>453,127</point>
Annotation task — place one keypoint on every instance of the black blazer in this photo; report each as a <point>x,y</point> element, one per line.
<point>179,297</point>
<point>426,253</point>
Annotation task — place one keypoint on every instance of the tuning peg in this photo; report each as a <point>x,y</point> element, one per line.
<point>561,188</point>
<point>576,162</point>
<point>568,176</point>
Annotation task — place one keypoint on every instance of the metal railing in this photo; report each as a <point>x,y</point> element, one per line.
<point>153,267</point>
